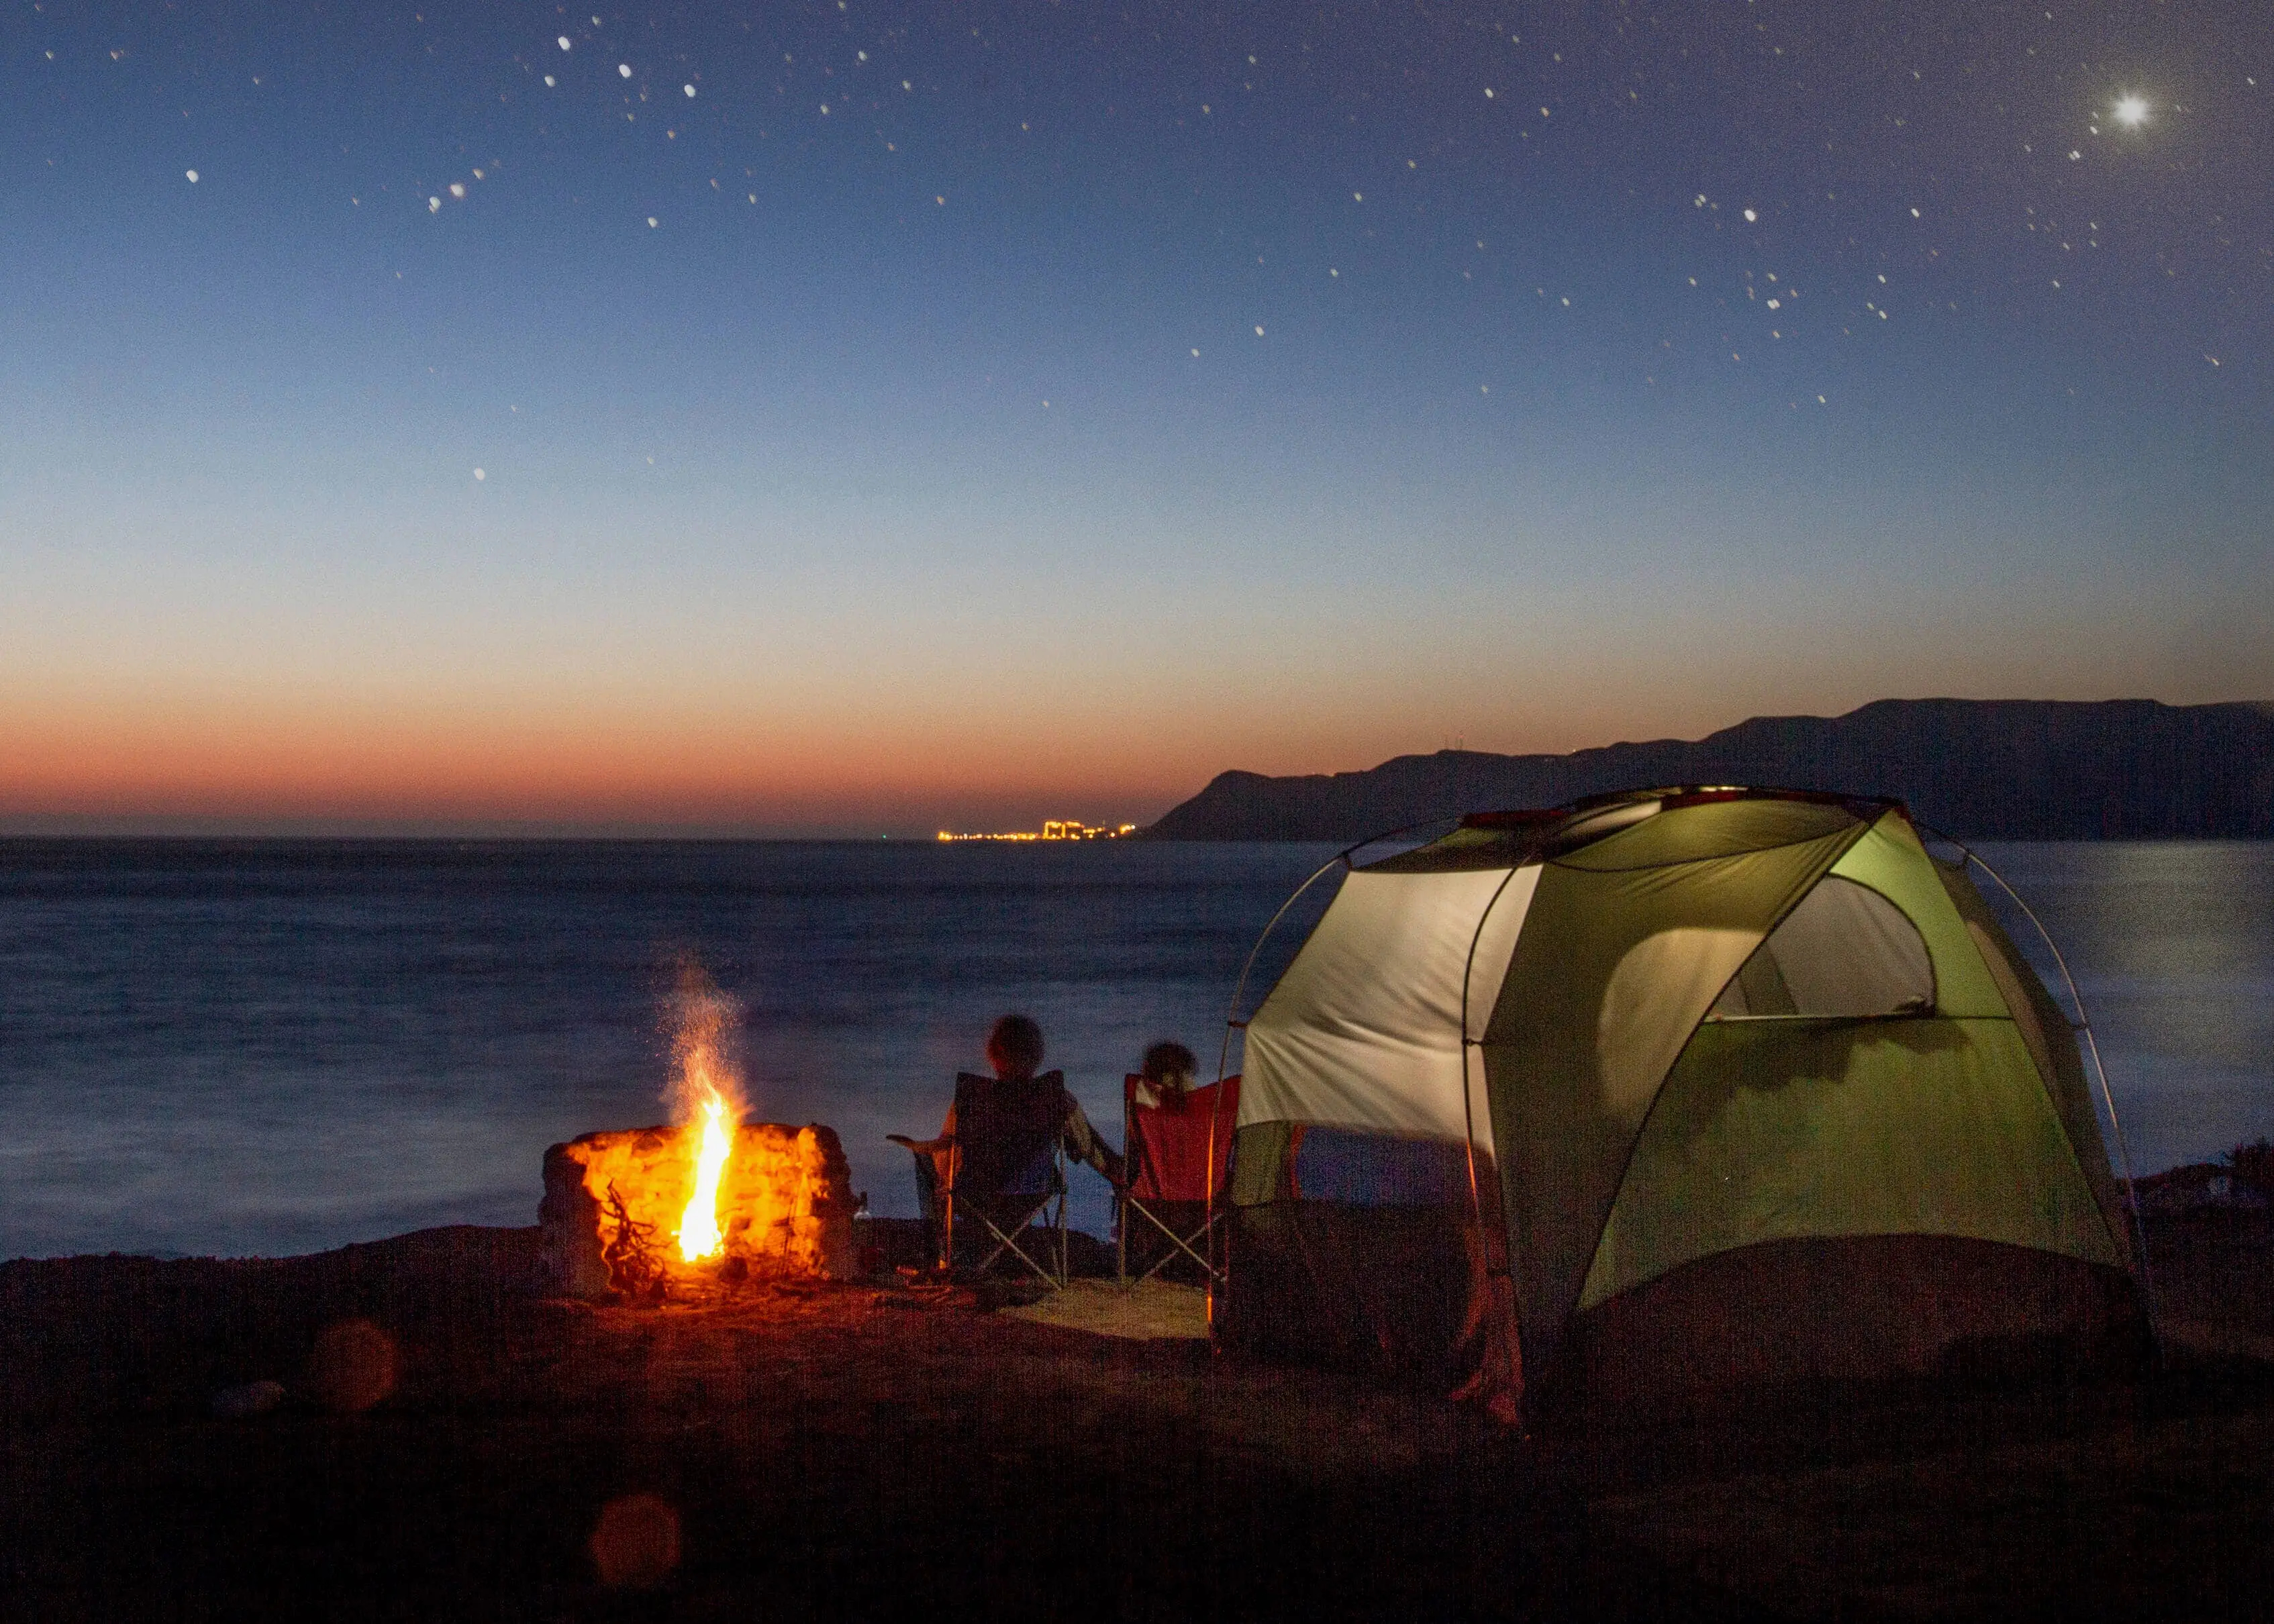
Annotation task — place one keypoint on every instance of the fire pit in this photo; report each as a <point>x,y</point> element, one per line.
<point>712,1197</point>
<point>622,1212</point>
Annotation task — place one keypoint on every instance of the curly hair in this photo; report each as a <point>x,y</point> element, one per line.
<point>1015,1046</point>
<point>1165,1060</point>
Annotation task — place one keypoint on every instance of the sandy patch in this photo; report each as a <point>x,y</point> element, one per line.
<point>1150,1311</point>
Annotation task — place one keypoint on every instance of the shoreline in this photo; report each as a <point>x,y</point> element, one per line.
<point>2176,1191</point>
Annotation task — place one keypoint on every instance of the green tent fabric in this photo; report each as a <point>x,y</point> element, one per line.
<point>1782,1131</point>
<point>1616,965</point>
<point>1720,1025</point>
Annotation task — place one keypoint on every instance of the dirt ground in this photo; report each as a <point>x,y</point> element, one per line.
<point>443,1444</point>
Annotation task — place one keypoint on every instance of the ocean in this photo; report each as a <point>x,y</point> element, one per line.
<point>263,1048</point>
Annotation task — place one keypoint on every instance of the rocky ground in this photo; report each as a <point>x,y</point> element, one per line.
<point>440,1443</point>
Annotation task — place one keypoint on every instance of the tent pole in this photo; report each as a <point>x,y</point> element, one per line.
<point>1468,1143</point>
<point>2100,1069</point>
<point>1233,1023</point>
<point>1468,1114</point>
<point>1239,989</point>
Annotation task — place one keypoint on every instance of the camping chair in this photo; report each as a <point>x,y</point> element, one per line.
<point>1004,1165</point>
<point>1178,1156</point>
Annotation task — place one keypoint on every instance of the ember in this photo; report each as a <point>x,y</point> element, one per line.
<point>702,1091</point>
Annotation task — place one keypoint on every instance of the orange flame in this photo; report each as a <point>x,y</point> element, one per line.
<point>706,1090</point>
<point>698,1227</point>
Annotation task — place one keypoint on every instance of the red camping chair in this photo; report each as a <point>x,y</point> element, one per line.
<point>1004,1166</point>
<point>1179,1156</point>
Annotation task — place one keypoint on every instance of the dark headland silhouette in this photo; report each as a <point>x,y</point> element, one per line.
<point>1985,770</point>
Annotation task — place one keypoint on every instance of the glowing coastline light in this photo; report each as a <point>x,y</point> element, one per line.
<point>1057,829</point>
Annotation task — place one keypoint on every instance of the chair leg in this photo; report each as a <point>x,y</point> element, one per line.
<point>1008,1241</point>
<point>1180,1242</point>
<point>1005,1242</point>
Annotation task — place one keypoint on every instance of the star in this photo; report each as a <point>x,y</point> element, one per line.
<point>2131,111</point>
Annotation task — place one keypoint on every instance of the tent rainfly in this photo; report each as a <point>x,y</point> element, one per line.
<point>1668,1092</point>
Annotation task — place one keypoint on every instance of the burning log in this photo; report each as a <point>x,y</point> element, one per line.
<point>617,1203</point>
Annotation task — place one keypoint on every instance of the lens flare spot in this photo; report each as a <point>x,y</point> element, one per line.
<point>352,1366</point>
<point>636,1542</point>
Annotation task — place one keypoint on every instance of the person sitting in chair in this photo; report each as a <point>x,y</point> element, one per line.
<point>1165,1077</point>
<point>1014,1051</point>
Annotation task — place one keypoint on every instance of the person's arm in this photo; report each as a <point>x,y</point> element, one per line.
<point>931,1147</point>
<point>1083,1144</point>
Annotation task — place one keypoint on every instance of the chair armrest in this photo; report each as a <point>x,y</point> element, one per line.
<point>922,1147</point>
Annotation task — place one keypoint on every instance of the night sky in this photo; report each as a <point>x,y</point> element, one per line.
<point>862,418</point>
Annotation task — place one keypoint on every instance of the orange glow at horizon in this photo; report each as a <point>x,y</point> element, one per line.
<point>928,760</point>
<point>57,760</point>
<point>856,743</point>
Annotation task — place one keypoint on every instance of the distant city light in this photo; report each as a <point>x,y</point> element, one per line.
<point>1068,829</point>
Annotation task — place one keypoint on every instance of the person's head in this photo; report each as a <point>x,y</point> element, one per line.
<point>1015,1047</point>
<point>1169,1065</point>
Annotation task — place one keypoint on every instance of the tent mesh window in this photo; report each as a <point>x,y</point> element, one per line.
<point>1844,952</point>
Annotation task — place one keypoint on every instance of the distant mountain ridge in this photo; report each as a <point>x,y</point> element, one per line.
<point>2005,768</point>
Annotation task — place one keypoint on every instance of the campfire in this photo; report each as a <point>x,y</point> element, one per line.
<point>633,1212</point>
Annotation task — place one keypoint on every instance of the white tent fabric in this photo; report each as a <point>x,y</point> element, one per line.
<point>1650,1008</point>
<point>1364,1030</point>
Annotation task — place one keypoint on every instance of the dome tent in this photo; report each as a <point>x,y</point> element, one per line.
<point>1668,1091</point>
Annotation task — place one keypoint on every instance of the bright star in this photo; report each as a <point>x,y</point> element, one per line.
<point>2131,111</point>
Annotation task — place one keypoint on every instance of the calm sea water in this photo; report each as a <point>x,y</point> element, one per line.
<point>276,1047</point>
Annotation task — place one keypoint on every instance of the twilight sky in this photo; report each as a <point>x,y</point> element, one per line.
<point>868,416</point>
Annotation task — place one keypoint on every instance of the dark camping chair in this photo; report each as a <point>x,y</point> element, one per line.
<point>1004,1166</point>
<point>1179,1155</point>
